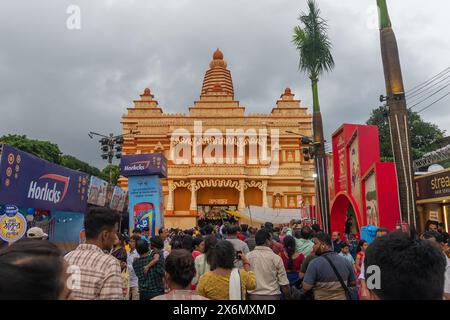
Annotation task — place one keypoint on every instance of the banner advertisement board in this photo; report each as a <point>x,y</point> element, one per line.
<point>13,224</point>
<point>118,199</point>
<point>66,226</point>
<point>97,192</point>
<point>146,205</point>
<point>143,165</point>
<point>430,186</point>
<point>30,182</point>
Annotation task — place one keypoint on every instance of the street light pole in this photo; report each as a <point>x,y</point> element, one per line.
<point>111,147</point>
<point>316,151</point>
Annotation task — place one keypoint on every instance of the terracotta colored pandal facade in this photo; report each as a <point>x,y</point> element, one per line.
<point>194,189</point>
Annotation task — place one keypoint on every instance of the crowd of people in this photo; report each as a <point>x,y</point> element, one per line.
<point>230,262</point>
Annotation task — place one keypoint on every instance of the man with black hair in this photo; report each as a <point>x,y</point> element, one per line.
<point>149,268</point>
<point>441,230</point>
<point>320,274</point>
<point>239,245</point>
<point>146,235</point>
<point>164,234</point>
<point>100,274</point>
<point>250,241</point>
<point>337,241</point>
<point>207,230</point>
<point>244,230</point>
<point>409,269</point>
<point>137,232</point>
<point>302,237</point>
<point>431,225</point>
<point>268,269</point>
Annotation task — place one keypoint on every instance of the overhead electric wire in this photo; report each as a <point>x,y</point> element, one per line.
<point>419,95</point>
<point>426,83</point>
<point>433,103</point>
<point>431,95</point>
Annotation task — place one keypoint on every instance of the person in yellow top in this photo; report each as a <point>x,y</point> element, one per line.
<point>226,282</point>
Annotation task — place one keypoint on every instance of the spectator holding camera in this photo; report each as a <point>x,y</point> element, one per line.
<point>238,245</point>
<point>225,281</point>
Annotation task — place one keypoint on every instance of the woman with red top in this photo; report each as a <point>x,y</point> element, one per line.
<point>292,260</point>
<point>360,252</point>
<point>199,246</point>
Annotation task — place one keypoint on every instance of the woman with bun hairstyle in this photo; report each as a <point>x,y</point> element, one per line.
<point>180,270</point>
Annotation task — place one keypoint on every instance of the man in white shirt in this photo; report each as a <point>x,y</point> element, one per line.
<point>131,256</point>
<point>268,269</point>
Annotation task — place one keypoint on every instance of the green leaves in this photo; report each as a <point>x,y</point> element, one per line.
<point>312,42</point>
<point>50,152</point>
<point>424,135</point>
<point>42,149</point>
<point>385,21</point>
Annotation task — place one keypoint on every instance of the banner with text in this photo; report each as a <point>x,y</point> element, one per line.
<point>143,165</point>
<point>28,181</point>
<point>146,206</point>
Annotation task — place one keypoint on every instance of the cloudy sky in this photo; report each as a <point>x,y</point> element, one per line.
<point>58,84</point>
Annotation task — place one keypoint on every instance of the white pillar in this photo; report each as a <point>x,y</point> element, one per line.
<point>241,205</point>
<point>171,186</point>
<point>193,206</point>
<point>264,194</point>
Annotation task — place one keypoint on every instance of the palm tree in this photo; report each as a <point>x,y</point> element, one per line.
<point>314,49</point>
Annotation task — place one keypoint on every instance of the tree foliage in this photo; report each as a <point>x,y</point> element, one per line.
<point>115,173</point>
<point>312,42</point>
<point>76,164</point>
<point>51,152</point>
<point>42,149</point>
<point>424,135</point>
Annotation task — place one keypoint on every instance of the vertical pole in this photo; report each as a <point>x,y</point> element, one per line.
<point>398,117</point>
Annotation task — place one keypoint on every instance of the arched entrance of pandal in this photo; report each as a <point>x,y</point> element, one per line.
<point>343,211</point>
<point>213,202</point>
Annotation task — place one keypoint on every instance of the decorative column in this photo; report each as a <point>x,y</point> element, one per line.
<point>241,205</point>
<point>170,206</point>
<point>193,188</point>
<point>264,194</point>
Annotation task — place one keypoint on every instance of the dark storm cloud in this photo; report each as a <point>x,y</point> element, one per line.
<point>57,84</point>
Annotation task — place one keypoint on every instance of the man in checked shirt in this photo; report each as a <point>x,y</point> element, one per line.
<point>96,274</point>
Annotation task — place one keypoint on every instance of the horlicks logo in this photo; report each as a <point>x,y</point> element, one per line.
<point>50,191</point>
<point>137,166</point>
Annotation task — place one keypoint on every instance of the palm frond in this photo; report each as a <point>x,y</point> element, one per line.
<point>312,42</point>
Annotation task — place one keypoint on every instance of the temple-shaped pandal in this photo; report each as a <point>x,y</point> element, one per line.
<point>194,190</point>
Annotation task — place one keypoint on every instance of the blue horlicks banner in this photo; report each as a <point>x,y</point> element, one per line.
<point>146,206</point>
<point>30,182</point>
<point>143,165</point>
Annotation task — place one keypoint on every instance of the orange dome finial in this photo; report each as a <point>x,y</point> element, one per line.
<point>218,55</point>
<point>147,92</point>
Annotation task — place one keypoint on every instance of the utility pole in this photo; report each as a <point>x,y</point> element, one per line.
<point>397,116</point>
<point>316,150</point>
<point>111,146</point>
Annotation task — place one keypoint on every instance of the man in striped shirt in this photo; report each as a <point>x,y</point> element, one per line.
<point>96,274</point>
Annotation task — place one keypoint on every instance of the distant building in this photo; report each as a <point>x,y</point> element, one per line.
<point>236,178</point>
